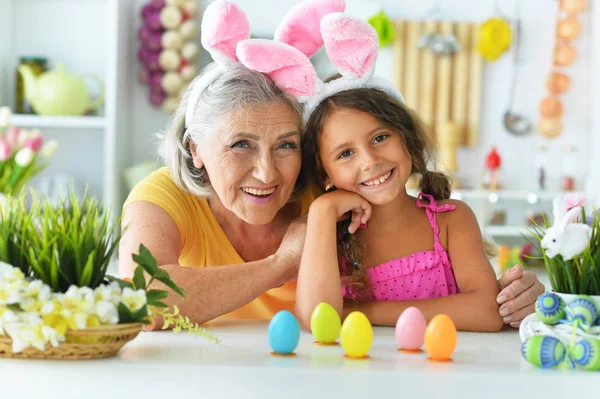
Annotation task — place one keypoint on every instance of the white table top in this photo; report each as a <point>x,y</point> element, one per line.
<point>164,364</point>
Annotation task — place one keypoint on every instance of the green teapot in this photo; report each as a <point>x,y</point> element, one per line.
<point>57,92</point>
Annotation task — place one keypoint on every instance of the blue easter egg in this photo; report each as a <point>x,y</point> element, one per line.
<point>543,351</point>
<point>550,308</point>
<point>284,333</point>
<point>583,308</point>
<point>586,353</point>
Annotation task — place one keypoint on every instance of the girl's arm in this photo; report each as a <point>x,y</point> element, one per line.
<point>319,276</point>
<point>475,307</point>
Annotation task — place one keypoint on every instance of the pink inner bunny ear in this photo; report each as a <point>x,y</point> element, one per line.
<point>224,24</point>
<point>290,69</point>
<point>351,45</point>
<point>300,27</point>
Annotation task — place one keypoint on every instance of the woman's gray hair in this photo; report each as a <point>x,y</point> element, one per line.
<point>235,88</point>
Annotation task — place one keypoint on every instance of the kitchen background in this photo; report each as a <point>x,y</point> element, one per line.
<point>109,148</point>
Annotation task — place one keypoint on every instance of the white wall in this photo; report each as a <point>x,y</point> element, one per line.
<point>538,17</point>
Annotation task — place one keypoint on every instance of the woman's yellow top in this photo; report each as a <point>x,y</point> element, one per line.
<point>204,244</point>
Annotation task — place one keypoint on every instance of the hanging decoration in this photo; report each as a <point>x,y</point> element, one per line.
<point>168,52</point>
<point>568,28</point>
<point>384,28</point>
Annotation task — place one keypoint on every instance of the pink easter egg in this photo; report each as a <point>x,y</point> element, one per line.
<point>157,4</point>
<point>146,10</point>
<point>144,33</point>
<point>153,21</point>
<point>410,329</point>
<point>157,98</point>
<point>155,79</point>
<point>143,54</point>
<point>154,41</point>
<point>152,62</point>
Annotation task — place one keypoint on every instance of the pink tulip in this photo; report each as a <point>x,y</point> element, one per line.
<point>4,151</point>
<point>35,143</point>
<point>572,200</point>
<point>12,136</point>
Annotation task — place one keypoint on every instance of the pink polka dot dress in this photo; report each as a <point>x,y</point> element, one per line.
<point>422,275</point>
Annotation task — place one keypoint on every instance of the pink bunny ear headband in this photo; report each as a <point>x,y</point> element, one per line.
<point>350,44</point>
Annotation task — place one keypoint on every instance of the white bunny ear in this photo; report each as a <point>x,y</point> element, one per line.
<point>558,208</point>
<point>224,24</point>
<point>351,45</point>
<point>290,69</point>
<point>571,216</point>
<point>300,27</point>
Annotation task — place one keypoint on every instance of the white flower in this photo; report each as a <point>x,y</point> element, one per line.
<point>11,292</point>
<point>24,157</point>
<point>30,331</point>
<point>107,312</point>
<point>134,300</point>
<point>10,273</point>
<point>5,115</point>
<point>49,148</point>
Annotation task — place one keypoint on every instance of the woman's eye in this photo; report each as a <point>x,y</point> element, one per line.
<point>380,138</point>
<point>241,144</point>
<point>288,146</point>
<point>345,154</point>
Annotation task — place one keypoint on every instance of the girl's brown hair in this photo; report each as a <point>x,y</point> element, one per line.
<point>399,118</point>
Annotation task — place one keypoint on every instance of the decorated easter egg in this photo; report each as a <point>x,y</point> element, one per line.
<point>558,83</point>
<point>170,17</point>
<point>171,83</point>
<point>550,128</point>
<point>586,353</point>
<point>169,60</point>
<point>189,29</point>
<point>573,6</point>
<point>551,107</point>
<point>542,350</point>
<point>440,337</point>
<point>325,323</point>
<point>568,28</point>
<point>583,308</point>
<point>356,335</point>
<point>284,333</point>
<point>565,54</point>
<point>171,40</point>
<point>550,308</point>
<point>410,329</point>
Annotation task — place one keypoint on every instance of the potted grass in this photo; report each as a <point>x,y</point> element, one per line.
<point>56,298</point>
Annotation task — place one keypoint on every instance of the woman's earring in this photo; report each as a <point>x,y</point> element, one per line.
<point>328,187</point>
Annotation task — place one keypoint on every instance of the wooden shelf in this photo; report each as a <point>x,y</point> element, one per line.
<point>506,231</point>
<point>61,122</point>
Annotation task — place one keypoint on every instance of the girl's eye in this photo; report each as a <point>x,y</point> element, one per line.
<point>345,154</point>
<point>241,144</point>
<point>380,138</point>
<point>288,146</point>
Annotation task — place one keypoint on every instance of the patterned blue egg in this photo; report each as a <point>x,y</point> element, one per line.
<point>586,353</point>
<point>550,308</point>
<point>284,333</point>
<point>583,308</point>
<point>543,351</point>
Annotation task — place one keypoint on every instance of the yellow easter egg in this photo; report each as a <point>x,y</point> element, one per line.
<point>356,335</point>
<point>325,323</point>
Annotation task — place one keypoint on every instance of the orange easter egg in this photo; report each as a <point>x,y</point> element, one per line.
<point>558,83</point>
<point>565,54</point>
<point>440,337</point>
<point>573,6</point>
<point>568,28</point>
<point>551,107</point>
<point>550,128</point>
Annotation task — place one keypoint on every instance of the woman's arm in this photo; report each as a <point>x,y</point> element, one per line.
<point>210,291</point>
<point>475,307</point>
<point>319,275</point>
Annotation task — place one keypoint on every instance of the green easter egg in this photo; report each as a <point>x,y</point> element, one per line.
<point>386,32</point>
<point>543,351</point>
<point>325,323</point>
<point>550,308</point>
<point>583,308</point>
<point>586,353</point>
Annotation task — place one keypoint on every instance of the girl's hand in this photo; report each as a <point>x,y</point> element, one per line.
<point>345,204</point>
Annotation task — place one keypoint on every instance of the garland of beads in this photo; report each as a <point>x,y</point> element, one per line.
<point>563,335</point>
<point>167,51</point>
<point>568,28</point>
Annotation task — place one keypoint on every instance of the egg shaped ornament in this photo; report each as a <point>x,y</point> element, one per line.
<point>565,55</point>
<point>189,29</point>
<point>440,338</point>
<point>543,351</point>
<point>284,333</point>
<point>191,8</point>
<point>410,329</point>
<point>573,6</point>
<point>550,128</point>
<point>356,335</point>
<point>325,324</point>
<point>558,83</point>
<point>170,104</point>
<point>171,40</point>
<point>171,17</point>
<point>582,308</point>
<point>190,51</point>
<point>550,308</point>
<point>171,83</point>
<point>169,60</point>
<point>175,3</point>
<point>586,353</point>
<point>568,28</point>
<point>188,72</point>
<point>551,107</point>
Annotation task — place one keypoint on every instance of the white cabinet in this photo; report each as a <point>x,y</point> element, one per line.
<point>88,36</point>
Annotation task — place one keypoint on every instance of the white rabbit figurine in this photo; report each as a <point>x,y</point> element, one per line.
<point>565,237</point>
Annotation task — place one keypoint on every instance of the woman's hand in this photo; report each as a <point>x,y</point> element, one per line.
<point>346,204</point>
<point>518,292</point>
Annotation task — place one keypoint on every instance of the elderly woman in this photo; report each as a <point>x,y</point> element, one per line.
<point>223,217</point>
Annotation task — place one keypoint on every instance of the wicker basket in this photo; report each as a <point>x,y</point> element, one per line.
<point>91,343</point>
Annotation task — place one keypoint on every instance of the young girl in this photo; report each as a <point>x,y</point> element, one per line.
<point>361,145</point>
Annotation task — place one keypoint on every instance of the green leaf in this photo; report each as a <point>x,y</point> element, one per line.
<point>155,295</point>
<point>141,314</point>
<point>158,304</point>
<point>146,260</point>
<point>122,283</point>
<point>125,315</point>
<point>139,282</point>
<point>86,276</point>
